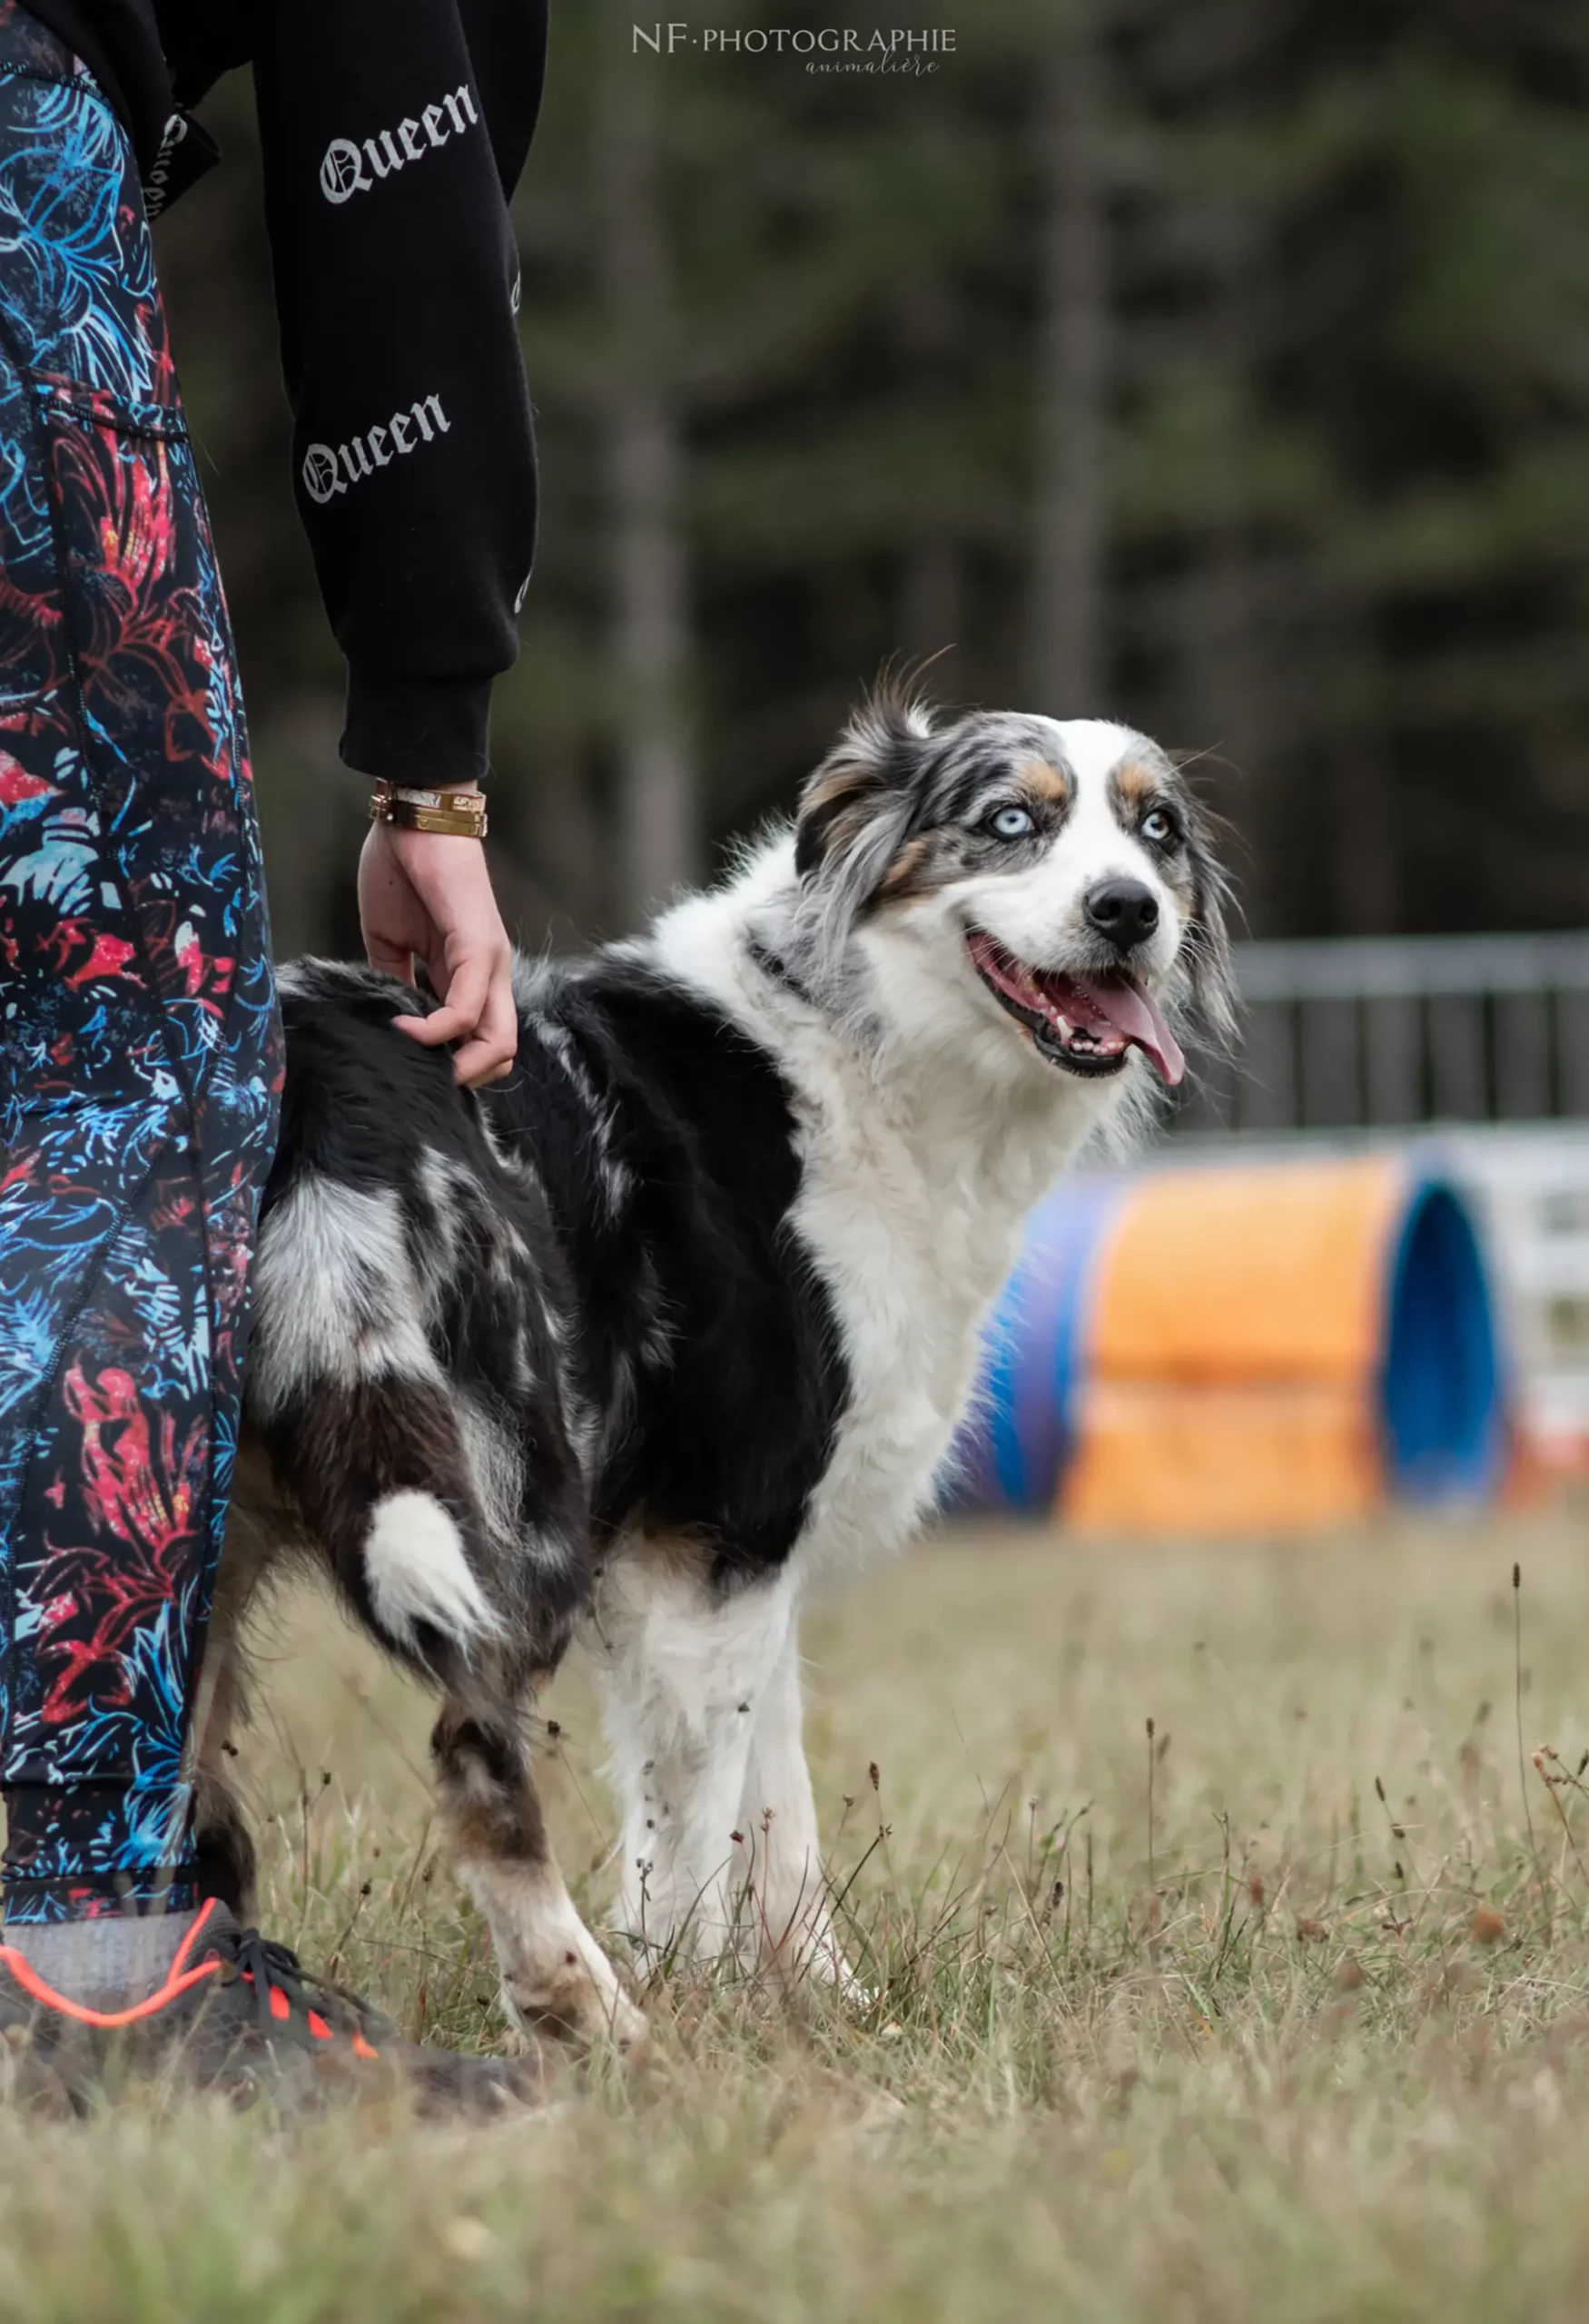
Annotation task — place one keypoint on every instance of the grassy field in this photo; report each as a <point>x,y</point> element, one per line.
<point>1275,2007</point>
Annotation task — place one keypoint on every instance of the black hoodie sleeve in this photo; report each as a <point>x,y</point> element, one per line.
<point>393,134</point>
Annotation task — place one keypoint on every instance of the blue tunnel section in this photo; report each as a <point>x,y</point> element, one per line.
<point>1441,1403</point>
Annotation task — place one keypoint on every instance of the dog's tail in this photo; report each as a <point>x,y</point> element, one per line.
<point>377,1470</point>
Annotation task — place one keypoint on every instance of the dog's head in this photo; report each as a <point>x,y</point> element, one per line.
<point>1044,885</point>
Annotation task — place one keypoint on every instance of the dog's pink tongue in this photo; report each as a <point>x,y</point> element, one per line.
<point>1131,1008</point>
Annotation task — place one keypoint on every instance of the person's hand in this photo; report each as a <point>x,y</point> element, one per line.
<point>427,895</point>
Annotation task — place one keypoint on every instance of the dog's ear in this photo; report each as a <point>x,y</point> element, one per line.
<point>854,808</point>
<point>1206,947</point>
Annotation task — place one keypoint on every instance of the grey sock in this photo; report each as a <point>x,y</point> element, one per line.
<point>104,1964</point>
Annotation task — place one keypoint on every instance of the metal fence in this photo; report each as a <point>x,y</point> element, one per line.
<point>1395,1031</point>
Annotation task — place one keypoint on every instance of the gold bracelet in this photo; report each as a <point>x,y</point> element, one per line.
<point>461,814</point>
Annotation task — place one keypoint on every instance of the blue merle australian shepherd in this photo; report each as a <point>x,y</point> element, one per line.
<point>682,1316</point>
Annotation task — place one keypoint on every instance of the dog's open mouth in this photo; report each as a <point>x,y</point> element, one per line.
<point>1088,1024</point>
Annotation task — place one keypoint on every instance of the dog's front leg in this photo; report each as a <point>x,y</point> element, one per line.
<point>688,1666</point>
<point>778,1818</point>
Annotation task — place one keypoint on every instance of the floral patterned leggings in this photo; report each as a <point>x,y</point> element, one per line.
<point>139,1042</point>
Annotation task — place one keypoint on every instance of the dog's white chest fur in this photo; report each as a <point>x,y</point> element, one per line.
<point>910,1209</point>
<point>912,1224</point>
<point>908,1307</point>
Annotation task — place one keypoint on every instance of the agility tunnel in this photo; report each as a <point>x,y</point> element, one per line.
<point>1243,1348</point>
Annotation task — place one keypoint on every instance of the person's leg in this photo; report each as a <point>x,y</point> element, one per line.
<point>141,1039</point>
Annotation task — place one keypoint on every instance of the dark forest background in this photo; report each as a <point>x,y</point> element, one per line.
<point>1222,365</point>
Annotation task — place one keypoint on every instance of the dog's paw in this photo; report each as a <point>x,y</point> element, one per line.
<point>578,2000</point>
<point>831,1969</point>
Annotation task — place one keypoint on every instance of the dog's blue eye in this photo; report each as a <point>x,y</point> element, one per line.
<point>1159,827</point>
<point>1009,823</point>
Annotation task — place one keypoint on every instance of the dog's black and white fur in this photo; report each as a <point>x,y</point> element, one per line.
<point>685,1314</point>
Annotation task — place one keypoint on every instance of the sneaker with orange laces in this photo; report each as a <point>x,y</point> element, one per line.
<point>239,2013</point>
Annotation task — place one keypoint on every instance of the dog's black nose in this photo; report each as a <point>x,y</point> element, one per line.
<point>1123,912</point>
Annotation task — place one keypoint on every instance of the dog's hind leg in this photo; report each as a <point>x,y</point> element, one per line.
<point>449,1502</point>
<point>386,1486</point>
<point>555,1977</point>
<point>223,1844</point>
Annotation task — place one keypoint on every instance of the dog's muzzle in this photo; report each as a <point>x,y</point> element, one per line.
<point>1087,1023</point>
